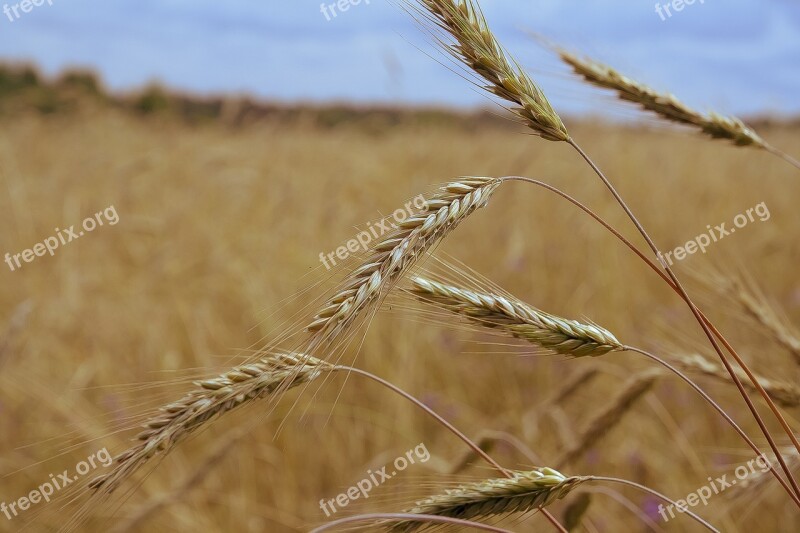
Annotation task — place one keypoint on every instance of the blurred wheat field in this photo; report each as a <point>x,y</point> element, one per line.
<point>221,228</point>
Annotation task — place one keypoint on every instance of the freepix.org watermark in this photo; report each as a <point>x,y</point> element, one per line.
<point>15,11</point>
<point>375,479</point>
<point>715,234</point>
<point>62,237</point>
<point>57,482</point>
<point>666,9</point>
<point>331,11</point>
<point>373,231</point>
<point>714,487</point>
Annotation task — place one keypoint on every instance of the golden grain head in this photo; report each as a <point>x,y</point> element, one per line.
<point>210,399</point>
<point>514,317</point>
<point>396,253</point>
<point>664,105</point>
<point>523,491</point>
<point>478,48</point>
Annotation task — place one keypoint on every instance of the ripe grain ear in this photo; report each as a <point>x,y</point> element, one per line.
<point>506,313</point>
<point>664,105</point>
<point>523,491</point>
<point>478,48</point>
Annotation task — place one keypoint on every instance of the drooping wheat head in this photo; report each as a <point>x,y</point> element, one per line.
<point>478,48</point>
<point>559,335</point>
<point>664,105</point>
<point>211,399</point>
<point>394,254</point>
<point>524,491</point>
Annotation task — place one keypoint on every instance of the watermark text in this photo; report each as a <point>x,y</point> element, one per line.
<point>56,483</point>
<point>715,234</point>
<point>62,237</point>
<point>373,231</point>
<point>332,10</point>
<point>666,9</point>
<point>15,11</point>
<point>375,479</point>
<point>715,486</point>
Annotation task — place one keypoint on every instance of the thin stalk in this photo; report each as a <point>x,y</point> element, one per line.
<point>434,414</point>
<point>446,424</point>
<point>410,517</point>
<point>783,155</point>
<point>696,312</point>
<point>654,268</point>
<point>654,493</point>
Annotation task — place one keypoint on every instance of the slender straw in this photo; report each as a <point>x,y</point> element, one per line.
<point>654,493</point>
<point>428,410</point>
<point>783,155</point>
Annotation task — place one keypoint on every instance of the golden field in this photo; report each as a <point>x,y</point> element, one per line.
<point>219,235</point>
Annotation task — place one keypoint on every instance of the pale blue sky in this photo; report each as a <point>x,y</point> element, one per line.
<point>738,56</point>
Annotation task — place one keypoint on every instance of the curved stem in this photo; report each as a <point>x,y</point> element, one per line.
<point>716,406</point>
<point>696,312</point>
<point>409,517</point>
<point>654,493</point>
<point>428,410</point>
<point>595,216</point>
<point>783,155</point>
<point>617,197</point>
<point>446,424</point>
<point>667,280</point>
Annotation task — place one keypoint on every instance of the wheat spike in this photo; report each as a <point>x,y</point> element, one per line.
<point>664,105</point>
<point>524,491</point>
<point>786,394</point>
<point>398,251</point>
<point>560,335</point>
<point>212,398</point>
<point>478,48</point>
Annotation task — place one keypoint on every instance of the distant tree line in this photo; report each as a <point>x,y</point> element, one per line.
<point>23,89</point>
